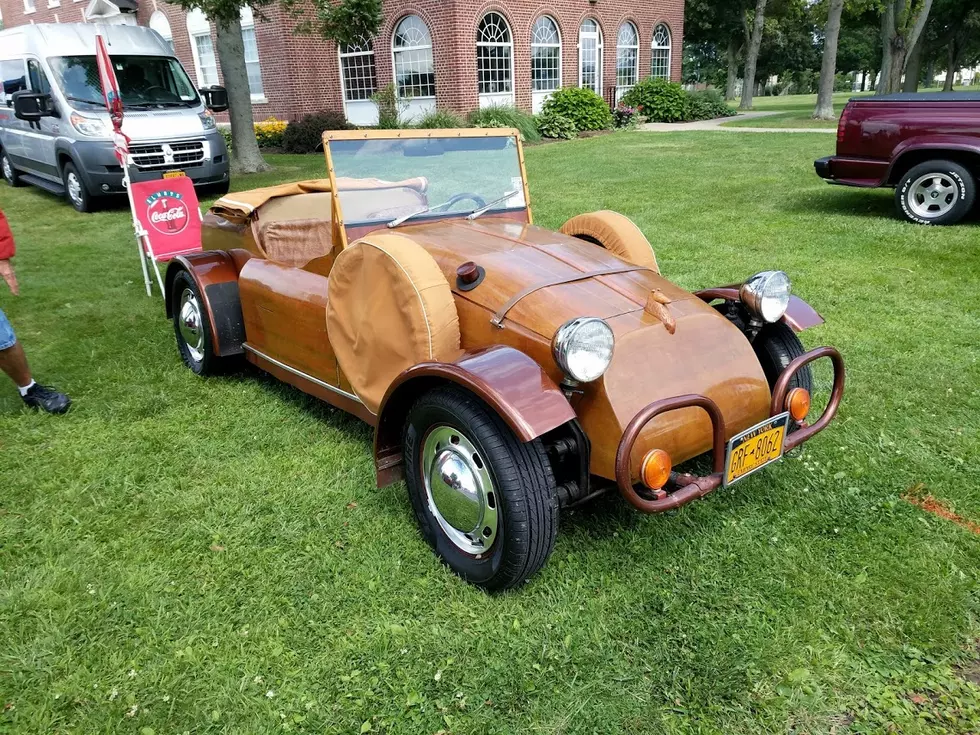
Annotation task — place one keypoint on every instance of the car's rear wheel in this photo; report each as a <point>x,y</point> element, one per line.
<point>191,327</point>
<point>10,174</point>
<point>935,193</point>
<point>484,500</point>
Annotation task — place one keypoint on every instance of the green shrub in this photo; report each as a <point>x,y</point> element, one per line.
<point>226,134</point>
<point>586,109</point>
<point>506,116</point>
<point>268,133</point>
<point>306,135</point>
<point>440,119</point>
<point>553,125</point>
<point>658,100</point>
<point>389,110</point>
<point>707,104</point>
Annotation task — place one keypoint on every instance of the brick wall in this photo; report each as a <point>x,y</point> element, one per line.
<point>301,74</point>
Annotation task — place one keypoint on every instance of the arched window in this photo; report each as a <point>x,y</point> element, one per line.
<point>660,53</point>
<point>205,63</point>
<point>252,65</point>
<point>627,57</point>
<point>357,71</point>
<point>411,45</point>
<point>590,55</point>
<point>494,53</point>
<point>545,55</point>
<point>160,24</point>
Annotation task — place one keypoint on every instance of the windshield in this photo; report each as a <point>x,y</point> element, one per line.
<point>390,180</point>
<point>145,82</point>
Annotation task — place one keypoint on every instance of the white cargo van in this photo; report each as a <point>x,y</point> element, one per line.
<point>55,132</point>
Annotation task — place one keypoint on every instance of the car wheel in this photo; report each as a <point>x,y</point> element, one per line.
<point>484,500</point>
<point>777,346</point>
<point>191,327</point>
<point>935,193</point>
<point>10,174</point>
<point>75,190</point>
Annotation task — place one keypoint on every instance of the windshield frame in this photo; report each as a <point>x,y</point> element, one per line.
<point>57,66</point>
<point>339,135</point>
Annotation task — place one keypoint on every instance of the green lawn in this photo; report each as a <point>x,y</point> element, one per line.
<point>210,556</point>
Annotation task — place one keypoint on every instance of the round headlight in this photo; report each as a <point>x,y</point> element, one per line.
<point>766,295</point>
<point>583,348</point>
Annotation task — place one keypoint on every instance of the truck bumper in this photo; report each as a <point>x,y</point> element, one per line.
<point>862,172</point>
<point>822,167</point>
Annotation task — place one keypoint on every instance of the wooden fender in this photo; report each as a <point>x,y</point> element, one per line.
<point>616,233</point>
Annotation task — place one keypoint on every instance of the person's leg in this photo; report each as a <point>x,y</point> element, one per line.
<point>13,362</point>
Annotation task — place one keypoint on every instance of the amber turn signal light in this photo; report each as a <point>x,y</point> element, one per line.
<point>798,403</point>
<point>656,469</point>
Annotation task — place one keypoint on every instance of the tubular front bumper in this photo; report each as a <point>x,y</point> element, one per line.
<point>690,487</point>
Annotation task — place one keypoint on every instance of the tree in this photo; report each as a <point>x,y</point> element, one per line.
<point>342,21</point>
<point>754,41</point>
<point>718,25</point>
<point>828,67</point>
<point>952,38</point>
<point>902,23</point>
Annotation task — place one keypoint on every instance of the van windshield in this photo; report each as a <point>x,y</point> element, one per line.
<point>145,82</point>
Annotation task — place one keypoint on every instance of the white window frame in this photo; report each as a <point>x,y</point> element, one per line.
<point>158,21</point>
<point>199,25</point>
<point>587,35</point>
<point>30,6</point>
<point>550,44</point>
<point>506,47</point>
<point>656,46</point>
<point>360,50</point>
<point>395,50</point>
<point>247,20</point>
<point>635,48</point>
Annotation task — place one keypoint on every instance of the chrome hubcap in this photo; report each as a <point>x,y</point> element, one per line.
<point>8,171</point>
<point>932,195</point>
<point>459,490</point>
<point>74,188</point>
<point>189,324</point>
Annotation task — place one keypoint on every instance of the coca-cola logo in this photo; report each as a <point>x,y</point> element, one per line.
<point>167,212</point>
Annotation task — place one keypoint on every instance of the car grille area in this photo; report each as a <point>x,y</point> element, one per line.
<point>161,156</point>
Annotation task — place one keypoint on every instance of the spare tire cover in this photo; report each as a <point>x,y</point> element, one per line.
<point>389,307</point>
<point>616,233</point>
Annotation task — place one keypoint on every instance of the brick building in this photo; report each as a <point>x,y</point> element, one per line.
<point>454,54</point>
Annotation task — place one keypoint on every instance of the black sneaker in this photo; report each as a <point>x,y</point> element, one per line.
<point>47,399</point>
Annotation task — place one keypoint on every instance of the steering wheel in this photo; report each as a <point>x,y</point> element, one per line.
<point>461,197</point>
<point>156,87</point>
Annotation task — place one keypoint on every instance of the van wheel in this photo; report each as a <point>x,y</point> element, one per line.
<point>935,193</point>
<point>10,174</point>
<point>75,190</point>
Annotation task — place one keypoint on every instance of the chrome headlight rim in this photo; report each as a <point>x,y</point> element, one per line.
<point>563,346</point>
<point>766,295</point>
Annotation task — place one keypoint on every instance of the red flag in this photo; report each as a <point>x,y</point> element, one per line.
<point>113,100</point>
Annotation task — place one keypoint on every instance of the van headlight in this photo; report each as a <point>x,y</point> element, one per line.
<point>207,120</point>
<point>91,126</point>
<point>766,295</point>
<point>583,348</point>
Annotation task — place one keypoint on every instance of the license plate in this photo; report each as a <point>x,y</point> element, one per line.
<point>754,448</point>
<point>173,174</point>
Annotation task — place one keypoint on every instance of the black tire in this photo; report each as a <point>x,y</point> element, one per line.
<point>75,191</point>
<point>10,174</point>
<point>200,356</point>
<point>915,205</point>
<point>521,480</point>
<point>777,346</point>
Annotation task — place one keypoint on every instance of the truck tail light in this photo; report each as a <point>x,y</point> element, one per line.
<point>842,123</point>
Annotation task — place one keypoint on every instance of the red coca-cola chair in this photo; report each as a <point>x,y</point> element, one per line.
<point>167,216</point>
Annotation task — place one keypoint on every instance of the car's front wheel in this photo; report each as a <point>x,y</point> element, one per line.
<point>75,190</point>
<point>935,193</point>
<point>191,327</point>
<point>484,500</point>
<point>10,174</point>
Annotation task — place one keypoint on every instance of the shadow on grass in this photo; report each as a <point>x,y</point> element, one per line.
<point>844,201</point>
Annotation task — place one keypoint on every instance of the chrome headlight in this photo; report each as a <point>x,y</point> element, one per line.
<point>207,120</point>
<point>766,295</point>
<point>583,348</point>
<point>91,126</point>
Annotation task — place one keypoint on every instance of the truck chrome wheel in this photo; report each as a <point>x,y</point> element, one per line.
<point>932,195</point>
<point>8,169</point>
<point>459,490</point>
<point>74,188</point>
<point>189,324</point>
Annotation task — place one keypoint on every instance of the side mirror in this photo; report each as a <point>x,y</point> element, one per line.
<point>215,98</point>
<point>31,106</point>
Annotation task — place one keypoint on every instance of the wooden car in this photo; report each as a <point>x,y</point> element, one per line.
<point>509,371</point>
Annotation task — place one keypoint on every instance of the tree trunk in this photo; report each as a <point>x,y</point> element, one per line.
<point>930,72</point>
<point>864,80</point>
<point>828,68</point>
<point>245,155</point>
<point>887,34</point>
<point>732,69</point>
<point>913,71</point>
<point>753,55</point>
<point>951,55</point>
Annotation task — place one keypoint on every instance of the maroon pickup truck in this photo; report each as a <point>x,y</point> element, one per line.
<point>926,146</point>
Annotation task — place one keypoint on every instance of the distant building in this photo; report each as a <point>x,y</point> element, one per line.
<point>454,54</point>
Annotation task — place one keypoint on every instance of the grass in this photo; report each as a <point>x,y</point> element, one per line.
<point>210,556</point>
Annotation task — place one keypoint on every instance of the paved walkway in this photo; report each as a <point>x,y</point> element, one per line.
<point>717,125</point>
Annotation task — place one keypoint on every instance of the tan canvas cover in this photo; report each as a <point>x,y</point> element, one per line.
<point>296,242</point>
<point>390,308</point>
<point>616,233</point>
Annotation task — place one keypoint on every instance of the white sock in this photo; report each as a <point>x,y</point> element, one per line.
<point>23,391</point>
